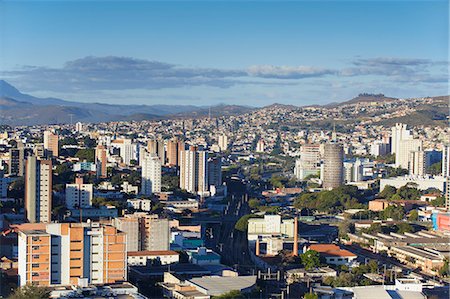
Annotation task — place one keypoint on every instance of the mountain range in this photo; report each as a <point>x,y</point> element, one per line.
<point>17,108</point>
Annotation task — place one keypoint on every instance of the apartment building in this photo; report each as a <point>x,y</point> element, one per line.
<point>38,190</point>
<point>59,254</point>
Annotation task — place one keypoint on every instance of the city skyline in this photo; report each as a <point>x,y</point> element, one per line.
<point>211,52</point>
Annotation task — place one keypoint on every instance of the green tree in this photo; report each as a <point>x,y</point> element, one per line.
<point>413,215</point>
<point>31,292</point>
<point>310,259</point>
<point>89,142</point>
<point>438,202</point>
<point>388,192</point>
<point>404,227</point>
<point>235,294</point>
<point>435,169</point>
<point>345,227</point>
<point>408,192</point>
<point>253,203</point>
<point>242,223</point>
<point>311,296</point>
<point>394,212</point>
<point>87,154</point>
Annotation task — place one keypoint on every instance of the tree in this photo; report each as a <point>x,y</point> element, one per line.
<point>393,212</point>
<point>413,215</point>
<point>89,142</point>
<point>345,227</point>
<point>404,227</point>
<point>388,192</point>
<point>409,192</point>
<point>31,292</point>
<point>438,202</point>
<point>253,203</point>
<point>310,259</point>
<point>87,154</point>
<point>235,294</point>
<point>435,169</point>
<point>242,223</point>
<point>311,296</point>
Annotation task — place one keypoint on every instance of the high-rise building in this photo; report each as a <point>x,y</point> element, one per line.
<point>405,147</point>
<point>151,175</point>
<point>38,190</point>
<point>446,160</point>
<point>79,195</point>
<point>215,171</point>
<point>223,142</point>
<point>309,161</point>
<point>101,161</point>
<point>128,150</point>
<point>260,146</point>
<point>194,171</point>
<point>60,254</point>
<point>154,233</point>
<point>129,225</point>
<point>174,146</point>
<point>398,133</point>
<point>79,127</point>
<point>333,166</point>
<point>152,146</point>
<point>51,143</point>
<point>416,163</point>
<point>16,160</point>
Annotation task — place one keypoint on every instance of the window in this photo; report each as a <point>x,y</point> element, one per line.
<point>35,247</point>
<point>35,256</point>
<point>36,239</point>
<point>75,259</point>
<point>35,265</point>
<point>35,274</point>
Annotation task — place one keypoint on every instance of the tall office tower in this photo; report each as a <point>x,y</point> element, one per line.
<point>129,225</point>
<point>16,160</point>
<point>51,143</point>
<point>309,161</point>
<point>223,142</point>
<point>260,146</point>
<point>155,233</point>
<point>406,146</point>
<point>215,171</point>
<point>416,163</point>
<point>79,127</point>
<point>358,170</point>
<point>101,161</point>
<point>79,195</point>
<point>399,133</point>
<point>348,172</point>
<point>172,152</point>
<point>379,148</point>
<point>446,160</point>
<point>194,170</point>
<point>333,166</point>
<point>60,254</point>
<point>38,190</point>
<point>151,175</point>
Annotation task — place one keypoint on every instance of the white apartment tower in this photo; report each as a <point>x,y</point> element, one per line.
<point>79,195</point>
<point>399,133</point>
<point>446,160</point>
<point>194,170</point>
<point>403,154</point>
<point>151,175</point>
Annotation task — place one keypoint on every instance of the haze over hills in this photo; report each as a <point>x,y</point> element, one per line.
<point>17,108</point>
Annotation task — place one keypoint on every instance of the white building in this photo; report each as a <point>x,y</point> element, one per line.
<point>142,258</point>
<point>446,160</point>
<point>79,195</point>
<point>404,150</point>
<point>151,175</point>
<point>140,204</point>
<point>38,190</point>
<point>399,133</point>
<point>194,171</point>
<point>423,182</point>
<point>270,225</point>
<point>309,161</point>
<point>223,142</point>
<point>416,164</point>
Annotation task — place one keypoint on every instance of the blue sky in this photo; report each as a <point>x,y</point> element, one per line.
<point>209,52</point>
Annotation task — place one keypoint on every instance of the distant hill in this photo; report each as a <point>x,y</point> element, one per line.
<point>17,108</point>
<point>362,97</point>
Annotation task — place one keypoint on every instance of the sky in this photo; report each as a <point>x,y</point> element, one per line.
<point>233,52</point>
